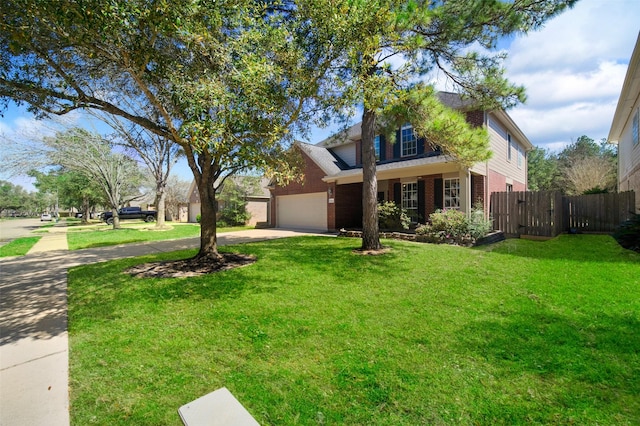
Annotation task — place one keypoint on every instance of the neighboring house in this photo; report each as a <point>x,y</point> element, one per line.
<point>257,202</point>
<point>409,172</point>
<point>624,129</point>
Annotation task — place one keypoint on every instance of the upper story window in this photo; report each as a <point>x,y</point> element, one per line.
<point>376,146</point>
<point>408,142</point>
<point>508,147</point>
<point>520,157</point>
<point>635,132</point>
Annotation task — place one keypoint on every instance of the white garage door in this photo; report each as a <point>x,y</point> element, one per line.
<point>304,211</point>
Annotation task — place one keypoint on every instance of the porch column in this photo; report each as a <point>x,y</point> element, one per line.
<point>465,191</point>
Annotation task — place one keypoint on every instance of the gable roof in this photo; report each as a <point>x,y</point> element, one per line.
<point>324,158</point>
<point>628,95</point>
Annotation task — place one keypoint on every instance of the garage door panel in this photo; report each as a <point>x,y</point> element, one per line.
<point>304,211</point>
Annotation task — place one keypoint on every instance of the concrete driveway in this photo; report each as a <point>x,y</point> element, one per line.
<point>34,353</point>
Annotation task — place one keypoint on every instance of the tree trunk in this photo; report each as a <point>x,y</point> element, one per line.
<point>160,207</point>
<point>85,210</point>
<point>116,219</point>
<point>208,223</point>
<point>370,231</point>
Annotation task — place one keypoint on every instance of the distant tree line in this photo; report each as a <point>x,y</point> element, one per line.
<point>16,201</point>
<point>582,167</point>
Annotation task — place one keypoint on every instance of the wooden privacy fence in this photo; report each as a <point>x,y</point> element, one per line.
<point>548,213</point>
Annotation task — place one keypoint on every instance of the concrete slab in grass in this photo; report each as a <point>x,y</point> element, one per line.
<point>218,408</point>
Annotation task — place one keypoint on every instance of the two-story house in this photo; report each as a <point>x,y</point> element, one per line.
<point>410,172</point>
<point>625,128</point>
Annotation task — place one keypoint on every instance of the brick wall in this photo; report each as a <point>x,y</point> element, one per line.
<point>497,182</point>
<point>519,186</point>
<point>312,181</point>
<point>477,191</point>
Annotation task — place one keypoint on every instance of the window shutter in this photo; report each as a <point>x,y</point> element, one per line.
<point>420,146</point>
<point>396,146</point>
<point>438,194</point>
<point>397,193</point>
<point>421,201</point>
<point>383,148</point>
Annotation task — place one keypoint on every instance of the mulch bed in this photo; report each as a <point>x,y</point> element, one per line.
<point>192,267</point>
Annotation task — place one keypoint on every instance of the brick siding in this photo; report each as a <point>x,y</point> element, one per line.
<point>477,191</point>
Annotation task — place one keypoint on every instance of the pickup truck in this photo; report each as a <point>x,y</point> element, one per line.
<point>131,213</point>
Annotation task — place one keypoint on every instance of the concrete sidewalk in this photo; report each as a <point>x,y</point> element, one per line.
<point>54,239</point>
<point>34,354</point>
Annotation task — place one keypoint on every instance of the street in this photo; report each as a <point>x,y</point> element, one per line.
<point>10,229</point>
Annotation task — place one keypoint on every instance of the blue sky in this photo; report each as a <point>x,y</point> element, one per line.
<point>573,69</point>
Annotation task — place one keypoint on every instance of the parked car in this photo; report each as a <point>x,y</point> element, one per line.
<point>45,217</point>
<point>131,213</point>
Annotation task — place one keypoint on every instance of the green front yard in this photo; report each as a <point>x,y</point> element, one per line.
<point>19,246</point>
<point>515,333</point>
<point>132,232</point>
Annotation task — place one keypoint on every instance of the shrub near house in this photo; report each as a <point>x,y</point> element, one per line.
<point>454,227</point>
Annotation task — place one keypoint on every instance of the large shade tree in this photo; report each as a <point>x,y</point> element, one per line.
<point>395,43</point>
<point>228,81</point>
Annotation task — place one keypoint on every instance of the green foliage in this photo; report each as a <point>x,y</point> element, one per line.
<point>233,197</point>
<point>229,81</point>
<point>446,226</point>
<point>454,227</point>
<point>13,197</point>
<point>543,174</point>
<point>628,234</point>
<point>596,190</point>
<point>393,217</point>
<point>479,225</point>
<point>73,188</point>
<point>582,167</point>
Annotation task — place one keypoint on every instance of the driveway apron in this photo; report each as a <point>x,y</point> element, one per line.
<point>34,349</point>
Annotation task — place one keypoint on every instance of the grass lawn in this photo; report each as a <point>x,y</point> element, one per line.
<point>98,235</point>
<point>18,247</point>
<point>520,332</point>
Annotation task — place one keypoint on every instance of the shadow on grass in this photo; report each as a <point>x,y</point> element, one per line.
<point>102,291</point>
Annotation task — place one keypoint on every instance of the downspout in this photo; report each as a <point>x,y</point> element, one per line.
<point>487,196</point>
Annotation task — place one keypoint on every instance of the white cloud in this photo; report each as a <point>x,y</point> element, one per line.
<point>559,87</point>
<point>564,124</point>
<point>594,30</point>
<point>573,70</point>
